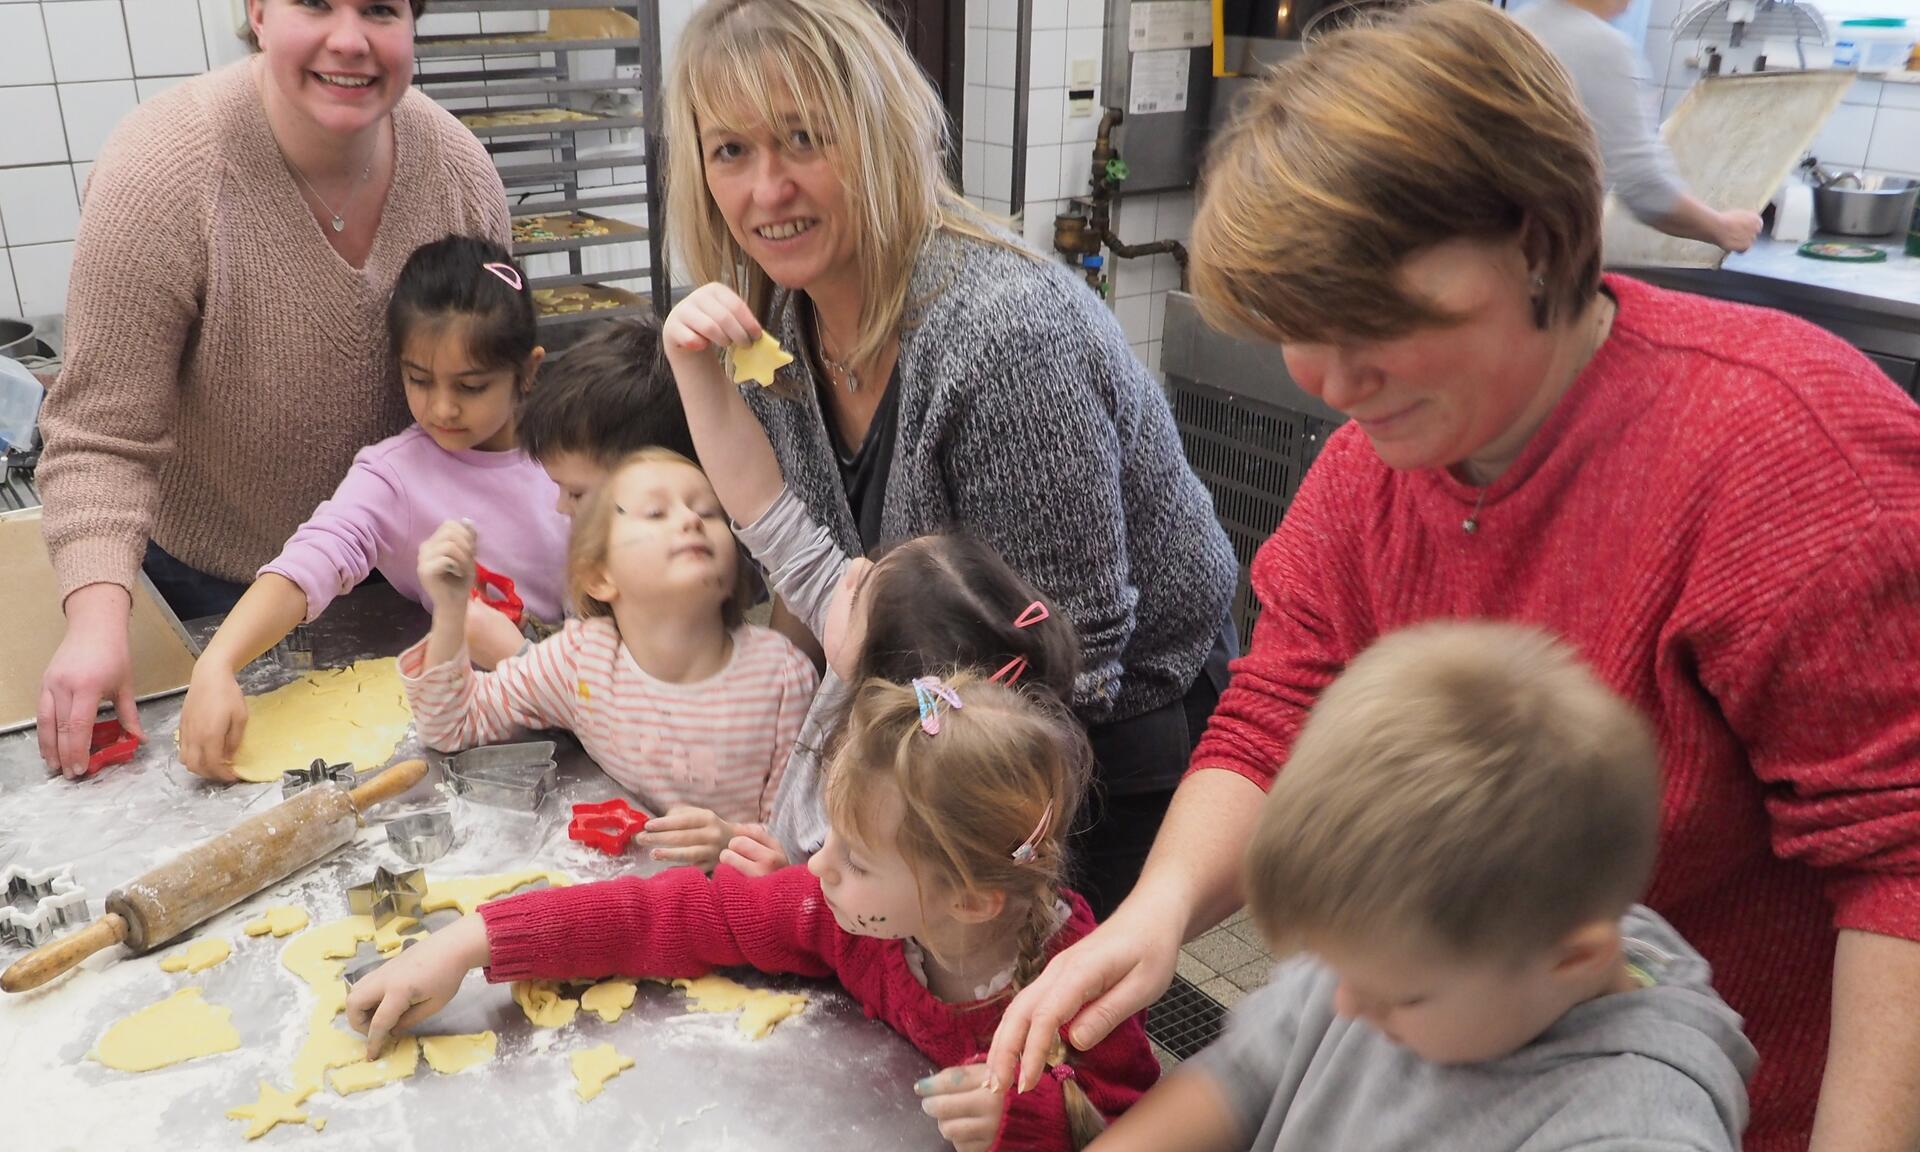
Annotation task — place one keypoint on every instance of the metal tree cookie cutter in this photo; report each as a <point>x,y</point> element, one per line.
<point>504,775</point>
<point>422,837</point>
<point>389,894</point>
<point>296,650</point>
<point>319,772</point>
<point>57,903</point>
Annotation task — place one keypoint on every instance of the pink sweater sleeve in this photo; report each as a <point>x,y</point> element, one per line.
<point>360,527</point>
<point>677,923</point>
<point>455,707</point>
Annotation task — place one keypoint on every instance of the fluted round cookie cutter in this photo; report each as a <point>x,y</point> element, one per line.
<point>422,837</point>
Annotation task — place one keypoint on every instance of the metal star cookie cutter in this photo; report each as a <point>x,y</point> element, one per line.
<point>355,972</point>
<point>422,837</point>
<point>319,772</point>
<point>58,903</point>
<point>389,894</point>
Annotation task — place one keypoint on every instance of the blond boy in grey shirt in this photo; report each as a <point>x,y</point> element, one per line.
<point>1453,851</point>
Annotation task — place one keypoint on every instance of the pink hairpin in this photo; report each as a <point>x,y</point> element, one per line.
<point>928,692</point>
<point>1024,853</point>
<point>1035,612</point>
<point>1011,671</point>
<point>508,275</point>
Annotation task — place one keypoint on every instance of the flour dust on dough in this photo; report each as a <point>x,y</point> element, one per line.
<point>199,955</point>
<point>281,920</point>
<point>594,1067</point>
<point>357,715</point>
<point>759,1008</point>
<point>449,1055</point>
<point>273,1107</point>
<point>544,1005</point>
<point>181,1027</point>
<point>609,998</point>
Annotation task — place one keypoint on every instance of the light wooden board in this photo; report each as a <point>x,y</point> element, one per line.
<point>1735,139</point>
<point>32,625</point>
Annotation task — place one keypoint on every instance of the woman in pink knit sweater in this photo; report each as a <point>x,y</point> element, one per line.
<point>1717,506</point>
<point>225,356</point>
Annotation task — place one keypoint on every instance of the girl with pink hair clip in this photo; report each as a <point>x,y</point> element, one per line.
<point>939,892</point>
<point>461,323</point>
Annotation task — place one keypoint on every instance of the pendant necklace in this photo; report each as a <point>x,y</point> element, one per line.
<point>834,367</point>
<point>339,221</point>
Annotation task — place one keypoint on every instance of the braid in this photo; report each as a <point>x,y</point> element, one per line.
<point>1035,930</point>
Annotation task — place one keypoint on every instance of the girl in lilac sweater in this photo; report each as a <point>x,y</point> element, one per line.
<point>462,325</point>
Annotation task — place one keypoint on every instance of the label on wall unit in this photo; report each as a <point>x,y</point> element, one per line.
<point>1158,24</point>
<point>1159,82</point>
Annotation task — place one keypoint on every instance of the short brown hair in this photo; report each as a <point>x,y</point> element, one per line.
<point>1465,786</point>
<point>1445,120</point>
<point>253,41</point>
<point>605,397</point>
<point>587,546</point>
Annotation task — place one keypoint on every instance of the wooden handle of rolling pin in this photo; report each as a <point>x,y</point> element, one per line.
<point>388,784</point>
<point>49,960</point>
<point>216,875</point>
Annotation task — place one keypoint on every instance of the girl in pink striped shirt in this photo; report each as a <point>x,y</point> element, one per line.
<point>675,697</point>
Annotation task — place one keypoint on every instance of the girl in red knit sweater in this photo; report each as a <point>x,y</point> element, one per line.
<point>936,895</point>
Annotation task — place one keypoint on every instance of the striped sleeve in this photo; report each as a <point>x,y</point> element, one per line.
<point>796,688</point>
<point>454,707</point>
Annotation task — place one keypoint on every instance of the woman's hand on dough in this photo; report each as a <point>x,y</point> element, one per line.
<point>446,565</point>
<point>212,722</point>
<point>967,1110</point>
<point>686,835</point>
<point>92,664</point>
<point>754,851</point>
<point>712,316</point>
<point>417,983</point>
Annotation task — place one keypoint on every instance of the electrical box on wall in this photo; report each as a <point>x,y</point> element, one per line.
<point>1159,76</point>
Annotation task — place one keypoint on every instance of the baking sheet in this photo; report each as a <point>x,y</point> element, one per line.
<point>34,625</point>
<point>1735,139</point>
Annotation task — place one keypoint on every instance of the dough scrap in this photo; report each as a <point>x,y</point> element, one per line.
<point>760,1009</point>
<point>759,361</point>
<point>450,1054</point>
<point>395,932</point>
<point>610,998</point>
<point>281,920</point>
<point>326,1047</point>
<point>543,1004</point>
<point>357,714</point>
<point>199,955</point>
<point>594,1067</point>
<point>400,1062</point>
<point>181,1027</point>
<point>273,1107</point>
<point>469,892</point>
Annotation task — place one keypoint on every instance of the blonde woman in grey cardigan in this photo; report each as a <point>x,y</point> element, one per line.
<point>946,378</point>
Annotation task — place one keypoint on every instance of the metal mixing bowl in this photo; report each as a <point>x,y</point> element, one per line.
<point>1872,206</point>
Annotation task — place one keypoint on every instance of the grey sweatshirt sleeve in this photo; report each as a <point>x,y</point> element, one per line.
<point>1611,78</point>
<point>1250,1062</point>
<point>803,563</point>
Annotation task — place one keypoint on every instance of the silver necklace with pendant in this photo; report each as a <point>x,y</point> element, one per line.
<point>1472,523</point>
<point>339,221</point>
<point>834,367</point>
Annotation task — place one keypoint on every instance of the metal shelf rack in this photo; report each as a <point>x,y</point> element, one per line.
<point>539,113</point>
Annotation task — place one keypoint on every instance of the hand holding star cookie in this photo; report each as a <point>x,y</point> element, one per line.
<point>714,316</point>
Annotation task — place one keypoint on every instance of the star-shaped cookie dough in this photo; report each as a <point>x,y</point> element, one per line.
<point>273,1107</point>
<point>760,360</point>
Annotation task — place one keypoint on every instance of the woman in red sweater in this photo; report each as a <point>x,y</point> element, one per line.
<point>1718,506</point>
<point>936,894</point>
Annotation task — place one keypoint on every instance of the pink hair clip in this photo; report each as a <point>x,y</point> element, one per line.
<point>1012,670</point>
<point>508,274</point>
<point>928,692</point>
<point>1034,613</point>
<point>1024,853</point>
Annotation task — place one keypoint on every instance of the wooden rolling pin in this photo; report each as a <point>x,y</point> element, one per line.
<point>213,877</point>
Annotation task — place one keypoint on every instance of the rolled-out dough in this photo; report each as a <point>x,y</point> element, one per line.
<point>400,1062</point>
<point>281,920</point>
<point>450,1054</point>
<point>760,1009</point>
<point>469,892</point>
<point>595,1066</point>
<point>358,715</point>
<point>198,956</point>
<point>181,1027</point>
<point>610,998</point>
<point>543,1004</point>
<point>273,1107</point>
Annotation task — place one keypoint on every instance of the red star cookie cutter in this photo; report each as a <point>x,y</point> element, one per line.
<point>112,744</point>
<point>608,825</point>
<point>496,591</point>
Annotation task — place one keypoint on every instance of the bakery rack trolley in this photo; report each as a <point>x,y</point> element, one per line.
<point>558,91</point>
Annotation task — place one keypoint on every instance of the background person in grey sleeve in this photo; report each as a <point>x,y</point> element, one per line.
<point>947,378</point>
<point>1611,77</point>
<point>1454,850</point>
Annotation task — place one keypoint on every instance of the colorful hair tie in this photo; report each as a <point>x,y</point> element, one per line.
<point>928,692</point>
<point>508,274</point>
<point>1024,853</point>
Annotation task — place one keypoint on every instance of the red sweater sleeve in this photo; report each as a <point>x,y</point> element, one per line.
<point>1299,644</point>
<point>678,923</point>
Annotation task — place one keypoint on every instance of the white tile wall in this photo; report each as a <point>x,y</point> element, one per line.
<point>221,23</point>
<point>39,204</point>
<point>9,300</point>
<point>167,37</point>
<point>40,275</point>
<point>1844,139</point>
<point>24,58</point>
<point>88,39</point>
<point>34,133</point>
<point>90,112</point>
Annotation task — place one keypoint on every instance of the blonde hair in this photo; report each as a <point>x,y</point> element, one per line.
<point>588,545</point>
<point>1443,121</point>
<point>1466,786</point>
<point>970,796</point>
<point>859,91</point>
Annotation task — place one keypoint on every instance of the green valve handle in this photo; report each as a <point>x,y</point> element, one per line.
<point>1117,170</point>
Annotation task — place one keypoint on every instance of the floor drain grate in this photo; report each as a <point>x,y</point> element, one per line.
<point>1184,1020</point>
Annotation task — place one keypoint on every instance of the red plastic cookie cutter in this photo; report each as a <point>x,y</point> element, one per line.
<point>112,744</point>
<point>608,825</point>
<point>496,591</point>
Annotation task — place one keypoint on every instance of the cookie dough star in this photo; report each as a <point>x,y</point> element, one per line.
<point>760,360</point>
<point>273,1107</point>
